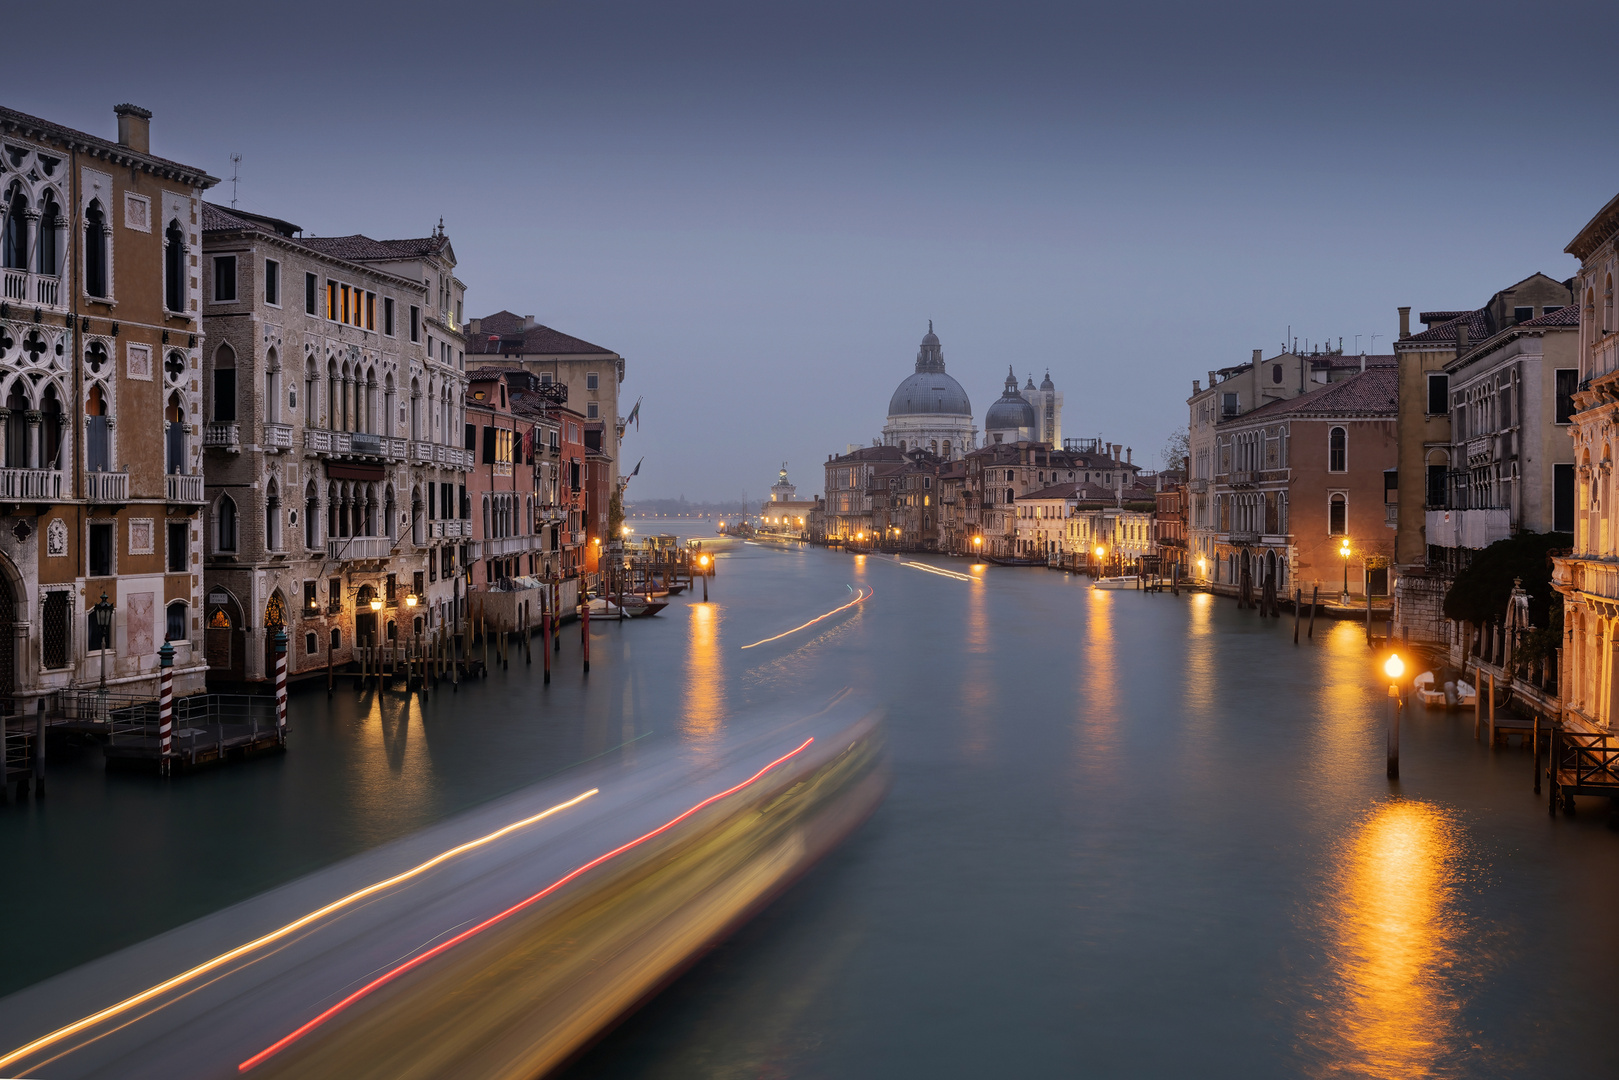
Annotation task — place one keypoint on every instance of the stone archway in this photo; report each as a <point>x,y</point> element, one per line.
<point>222,627</point>
<point>275,618</point>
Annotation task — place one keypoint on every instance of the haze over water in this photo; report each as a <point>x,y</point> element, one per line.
<point>1127,835</point>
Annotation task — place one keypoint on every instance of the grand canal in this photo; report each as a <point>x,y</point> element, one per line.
<point>1128,835</point>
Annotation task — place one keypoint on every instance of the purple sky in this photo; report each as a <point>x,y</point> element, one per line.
<point>761,205</point>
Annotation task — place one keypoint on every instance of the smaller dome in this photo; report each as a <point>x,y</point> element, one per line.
<point>1047,384</point>
<point>1012,411</point>
<point>1030,384</point>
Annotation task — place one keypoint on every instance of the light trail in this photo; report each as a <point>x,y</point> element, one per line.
<point>938,570</point>
<point>860,597</point>
<point>276,935</point>
<point>417,961</point>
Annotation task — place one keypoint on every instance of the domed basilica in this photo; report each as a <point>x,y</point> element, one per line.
<point>930,410</point>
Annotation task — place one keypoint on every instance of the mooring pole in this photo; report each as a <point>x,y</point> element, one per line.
<point>281,684</point>
<point>1315,591</point>
<point>545,642</point>
<point>39,750</point>
<point>1298,602</point>
<point>165,705</point>
<point>1537,752</point>
<point>1394,732</point>
<point>584,630</point>
<point>528,635</point>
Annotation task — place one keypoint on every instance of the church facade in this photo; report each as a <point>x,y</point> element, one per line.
<point>929,410</point>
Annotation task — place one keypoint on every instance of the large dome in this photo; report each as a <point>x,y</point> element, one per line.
<point>929,392</point>
<point>1012,410</point>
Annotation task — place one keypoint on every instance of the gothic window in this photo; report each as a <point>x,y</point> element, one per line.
<point>174,267</point>
<point>95,250</point>
<point>174,436</point>
<point>225,524</point>
<point>272,516</point>
<point>272,389</point>
<point>14,239</point>
<point>311,516</point>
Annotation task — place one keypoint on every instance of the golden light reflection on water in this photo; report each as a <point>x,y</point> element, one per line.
<point>704,705</point>
<point>1202,673</point>
<point>1394,928</point>
<point>1100,670</point>
<point>1347,695</point>
<point>392,777</point>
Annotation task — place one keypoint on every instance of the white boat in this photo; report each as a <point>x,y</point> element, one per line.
<point>1435,698</point>
<point>1130,582</point>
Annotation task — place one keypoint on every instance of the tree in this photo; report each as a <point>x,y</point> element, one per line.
<point>1479,594</point>
<point>615,516</point>
<point>1177,448</point>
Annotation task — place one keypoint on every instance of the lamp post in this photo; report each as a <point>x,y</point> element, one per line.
<point>1101,554</point>
<point>102,614</point>
<point>1344,551</point>
<point>1394,667</point>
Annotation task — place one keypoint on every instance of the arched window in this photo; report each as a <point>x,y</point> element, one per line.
<point>50,429</point>
<point>174,267</point>
<point>388,395</point>
<point>97,431</point>
<point>1009,496</point>
<point>311,516</point>
<point>902,446</point>
<point>52,229</point>
<point>334,397</point>
<point>14,240</point>
<point>174,436</point>
<point>95,249</point>
<point>17,427</point>
<point>1338,515</point>
<point>1607,307</point>
<point>390,515</point>
<point>946,445</point>
<point>1338,450</point>
<point>272,516</point>
<point>418,526</point>
<point>415,410</point>
<point>488,520</point>
<point>334,513</point>
<point>272,388</point>
<point>225,533</point>
<point>175,628</point>
<point>311,382</point>
<point>225,385</point>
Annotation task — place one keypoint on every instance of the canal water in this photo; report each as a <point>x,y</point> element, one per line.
<point>1128,835</point>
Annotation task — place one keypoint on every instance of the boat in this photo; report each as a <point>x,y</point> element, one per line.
<point>1126,582</point>
<point>635,607</point>
<point>1466,695</point>
<point>1012,560</point>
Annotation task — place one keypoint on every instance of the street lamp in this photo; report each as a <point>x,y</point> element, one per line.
<point>1101,565</point>
<point>102,614</point>
<point>1343,550</point>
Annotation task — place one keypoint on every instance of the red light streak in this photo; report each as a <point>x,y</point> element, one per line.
<point>860,597</point>
<point>417,961</point>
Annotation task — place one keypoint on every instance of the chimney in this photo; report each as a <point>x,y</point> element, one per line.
<point>1461,338</point>
<point>475,326</point>
<point>1363,363</point>
<point>134,128</point>
<point>1211,378</point>
<point>1259,354</point>
<point>1129,456</point>
<point>529,323</point>
<point>1196,387</point>
<point>1405,323</point>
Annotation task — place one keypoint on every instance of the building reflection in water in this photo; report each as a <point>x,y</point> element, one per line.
<point>392,777</point>
<point>703,714</point>
<point>1393,928</point>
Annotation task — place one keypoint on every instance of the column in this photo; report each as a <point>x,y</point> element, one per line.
<point>34,418</point>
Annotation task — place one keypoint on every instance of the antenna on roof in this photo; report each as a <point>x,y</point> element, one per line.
<point>235,160</point>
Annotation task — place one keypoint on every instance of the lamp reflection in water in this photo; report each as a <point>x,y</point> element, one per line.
<point>704,711</point>
<point>1394,929</point>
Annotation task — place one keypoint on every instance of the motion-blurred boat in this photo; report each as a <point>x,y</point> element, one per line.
<point>1126,582</point>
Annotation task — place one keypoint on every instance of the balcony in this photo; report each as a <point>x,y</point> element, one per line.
<point>106,488</point>
<point>1244,478</point>
<point>21,287</point>
<point>1468,528</point>
<point>182,489</point>
<point>277,437</point>
<point>222,436</point>
<point>350,548</point>
<point>30,485</point>
<point>1391,515</point>
<point>1244,538</point>
<point>576,538</point>
<point>1198,486</point>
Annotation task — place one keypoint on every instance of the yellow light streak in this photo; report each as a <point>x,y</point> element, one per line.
<point>938,570</point>
<point>276,935</point>
<point>860,597</point>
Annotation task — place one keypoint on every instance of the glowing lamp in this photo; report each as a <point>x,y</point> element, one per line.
<point>1394,667</point>
<point>376,605</point>
<point>1101,551</point>
<point>410,601</point>
<point>703,561</point>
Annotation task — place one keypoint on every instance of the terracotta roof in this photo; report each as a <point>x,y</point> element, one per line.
<point>1059,491</point>
<point>1477,323</point>
<point>1432,317</point>
<point>1373,360</point>
<point>360,248</point>
<point>218,219</point>
<point>1369,393</point>
<point>487,374</point>
<point>870,453</point>
<point>494,330</point>
<point>1564,316</point>
<point>35,125</point>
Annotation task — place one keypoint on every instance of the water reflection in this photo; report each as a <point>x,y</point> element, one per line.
<point>1201,670</point>
<point>704,712</point>
<point>1394,929</point>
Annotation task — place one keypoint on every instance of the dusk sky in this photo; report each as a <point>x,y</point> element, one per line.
<point>760,205</point>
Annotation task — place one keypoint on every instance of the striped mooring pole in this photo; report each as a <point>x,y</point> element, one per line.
<point>281,684</point>
<point>165,705</point>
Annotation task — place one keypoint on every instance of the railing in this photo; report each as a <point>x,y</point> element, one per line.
<point>576,537</point>
<point>204,725</point>
<point>182,489</point>
<point>1199,485</point>
<point>278,436</point>
<point>227,435</point>
<point>318,440</point>
<point>1244,538</point>
<point>30,485</point>
<point>1391,514</point>
<point>1584,763</point>
<point>106,487</point>
<point>1475,529</point>
<point>46,289</point>
<point>359,547</point>
<point>362,442</point>
<point>1239,479</point>
<point>421,451</point>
